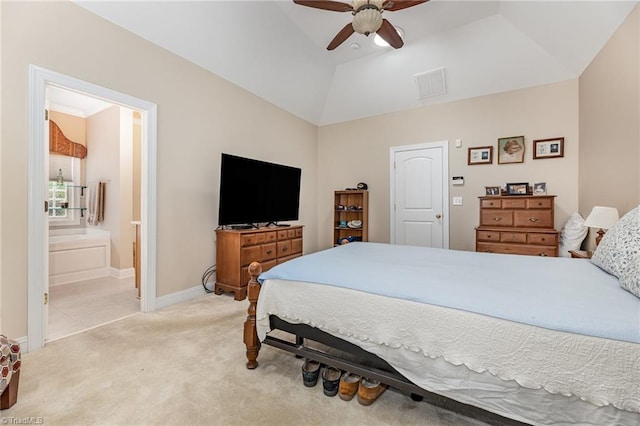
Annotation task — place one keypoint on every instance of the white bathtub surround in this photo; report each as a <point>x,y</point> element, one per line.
<point>78,254</point>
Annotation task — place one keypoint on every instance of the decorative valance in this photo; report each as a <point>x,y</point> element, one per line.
<point>60,144</point>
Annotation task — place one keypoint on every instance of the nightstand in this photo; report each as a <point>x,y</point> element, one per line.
<point>580,254</point>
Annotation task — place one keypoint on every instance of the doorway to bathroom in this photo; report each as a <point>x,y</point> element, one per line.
<point>94,206</point>
<point>81,244</point>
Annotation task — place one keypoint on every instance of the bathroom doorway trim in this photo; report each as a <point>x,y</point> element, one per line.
<point>37,271</point>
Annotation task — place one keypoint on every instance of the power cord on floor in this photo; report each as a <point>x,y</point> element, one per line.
<point>211,270</point>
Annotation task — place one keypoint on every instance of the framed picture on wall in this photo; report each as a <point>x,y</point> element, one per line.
<point>548,148</point>
<point>480,155</point>
<point>511,150</point>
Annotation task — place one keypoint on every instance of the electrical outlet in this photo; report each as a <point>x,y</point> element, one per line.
<point>457,201</point>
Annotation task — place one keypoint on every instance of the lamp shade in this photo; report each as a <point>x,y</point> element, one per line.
<point>602,217</point>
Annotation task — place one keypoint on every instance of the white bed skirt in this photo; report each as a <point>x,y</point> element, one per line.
<point>523,372</point>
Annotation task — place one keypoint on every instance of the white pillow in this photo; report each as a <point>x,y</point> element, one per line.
<point>619,251</point>
<point>573,233</point>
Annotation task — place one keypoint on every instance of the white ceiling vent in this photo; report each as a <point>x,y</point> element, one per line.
<point>431,83</point>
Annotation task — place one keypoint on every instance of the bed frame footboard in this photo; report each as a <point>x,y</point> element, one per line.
<point>250,332</point>
<point>357,360</point>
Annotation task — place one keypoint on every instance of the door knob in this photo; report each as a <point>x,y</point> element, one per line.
<point>438,216</point>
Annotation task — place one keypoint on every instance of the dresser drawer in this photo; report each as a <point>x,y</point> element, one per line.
<point>533,218</point>
<point>250,254</point>
<point>496,218</point>
<point>244,272</point>
<point>265,237</point>
<point>296,245</point>
<point>298,232</point>
<point>268,251</point>
<point>248,239</point>
<point>540,203</point>
<point>491,204</point>
<point>487,236</point>
<point>513,237</point>
<point>282,234</point>
<point>517,249</point>
<point>514,204</point>
<point>543,239</point>
<point>284,248</point>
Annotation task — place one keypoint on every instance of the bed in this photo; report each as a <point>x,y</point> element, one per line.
<point>527,339</point>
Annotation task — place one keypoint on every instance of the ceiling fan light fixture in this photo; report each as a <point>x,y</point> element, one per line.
<point>379,41</point>
<point>367,21</point>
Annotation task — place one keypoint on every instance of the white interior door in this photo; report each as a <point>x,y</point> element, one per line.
<point>419,195</point>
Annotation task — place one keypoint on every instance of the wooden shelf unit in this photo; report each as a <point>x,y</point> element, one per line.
<point>356,207</point>
<point>236,249</point>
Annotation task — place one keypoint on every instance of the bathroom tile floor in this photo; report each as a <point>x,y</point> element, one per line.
<point>86,304</point>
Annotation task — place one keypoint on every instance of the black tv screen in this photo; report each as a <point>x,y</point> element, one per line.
<point>253,191</point>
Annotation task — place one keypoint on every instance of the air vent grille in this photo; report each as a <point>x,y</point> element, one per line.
<point>431,83</point>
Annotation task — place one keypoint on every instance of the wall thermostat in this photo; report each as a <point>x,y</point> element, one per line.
<point>457,180</point>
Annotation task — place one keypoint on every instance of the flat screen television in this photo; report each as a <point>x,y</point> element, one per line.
<point>254,191</point>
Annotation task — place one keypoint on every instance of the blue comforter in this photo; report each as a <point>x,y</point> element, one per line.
<point>562,294</point>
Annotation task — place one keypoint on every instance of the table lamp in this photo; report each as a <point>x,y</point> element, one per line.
<point>603,218</point>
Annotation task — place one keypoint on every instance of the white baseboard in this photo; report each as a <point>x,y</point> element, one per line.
<point>180,296</point>
<point>123,273</point>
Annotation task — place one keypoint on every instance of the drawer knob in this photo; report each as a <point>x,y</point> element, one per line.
<point>488,236</point>
<point>269,252</point>
<point>284,249</point>
<point>533,219</point>
<point>542,239</point>
<point>544,254</point>
<point>497,219</point>
<point>488,251</point>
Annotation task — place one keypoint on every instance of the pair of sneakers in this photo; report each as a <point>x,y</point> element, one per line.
<point>331,381</point>
<point>368,390</point>
<point>330,376</point>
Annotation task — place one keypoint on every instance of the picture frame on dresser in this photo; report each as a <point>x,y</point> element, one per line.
<point>548,148</point>
<point>520,188</point>
<point>492,190</point>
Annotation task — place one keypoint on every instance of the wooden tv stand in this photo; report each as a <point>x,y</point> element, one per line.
<point>236,249</point>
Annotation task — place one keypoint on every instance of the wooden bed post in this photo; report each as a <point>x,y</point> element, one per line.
<point>250,332</point>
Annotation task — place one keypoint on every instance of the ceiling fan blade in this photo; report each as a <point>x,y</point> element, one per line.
<point>344,34</point>
<point>389,34</point>
<point>335,6</point>
<point>392,5</point>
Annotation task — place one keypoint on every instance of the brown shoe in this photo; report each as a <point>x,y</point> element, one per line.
<point>369,390</point>
<point>348,386</point>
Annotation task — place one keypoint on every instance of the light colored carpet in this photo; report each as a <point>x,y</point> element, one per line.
<point>185,364</point>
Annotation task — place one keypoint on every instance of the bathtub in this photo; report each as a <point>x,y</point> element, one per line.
<point>78,254</point>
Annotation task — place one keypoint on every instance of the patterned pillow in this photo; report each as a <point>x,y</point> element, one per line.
<point>620,247</point>
<point>630,278</point>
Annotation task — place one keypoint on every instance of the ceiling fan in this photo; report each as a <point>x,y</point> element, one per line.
<point>367,18</point>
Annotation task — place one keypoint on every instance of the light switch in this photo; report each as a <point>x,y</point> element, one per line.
<point>457,201</point>
<point>458,143</point>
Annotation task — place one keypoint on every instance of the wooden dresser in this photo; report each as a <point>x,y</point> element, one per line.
<point>517,225</point>
<point>236,249</point>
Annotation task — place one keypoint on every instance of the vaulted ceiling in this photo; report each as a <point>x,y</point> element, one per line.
<point>277,49</point>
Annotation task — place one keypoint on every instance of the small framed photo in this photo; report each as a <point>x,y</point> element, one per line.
<point>511,150</point>
<point>492,190</point>
<point>518,188</point>
<point>540,188</point>
<point>480,155</point>
<point>548,148</point>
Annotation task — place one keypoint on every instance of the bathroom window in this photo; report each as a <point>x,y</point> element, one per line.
<point>65,190</point>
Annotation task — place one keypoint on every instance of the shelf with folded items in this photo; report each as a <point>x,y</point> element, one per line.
<point>350,216</point>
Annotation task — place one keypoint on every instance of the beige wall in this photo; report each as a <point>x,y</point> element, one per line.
<point>359,151</point>
<point>199,116</point>
<point>609,123</point>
